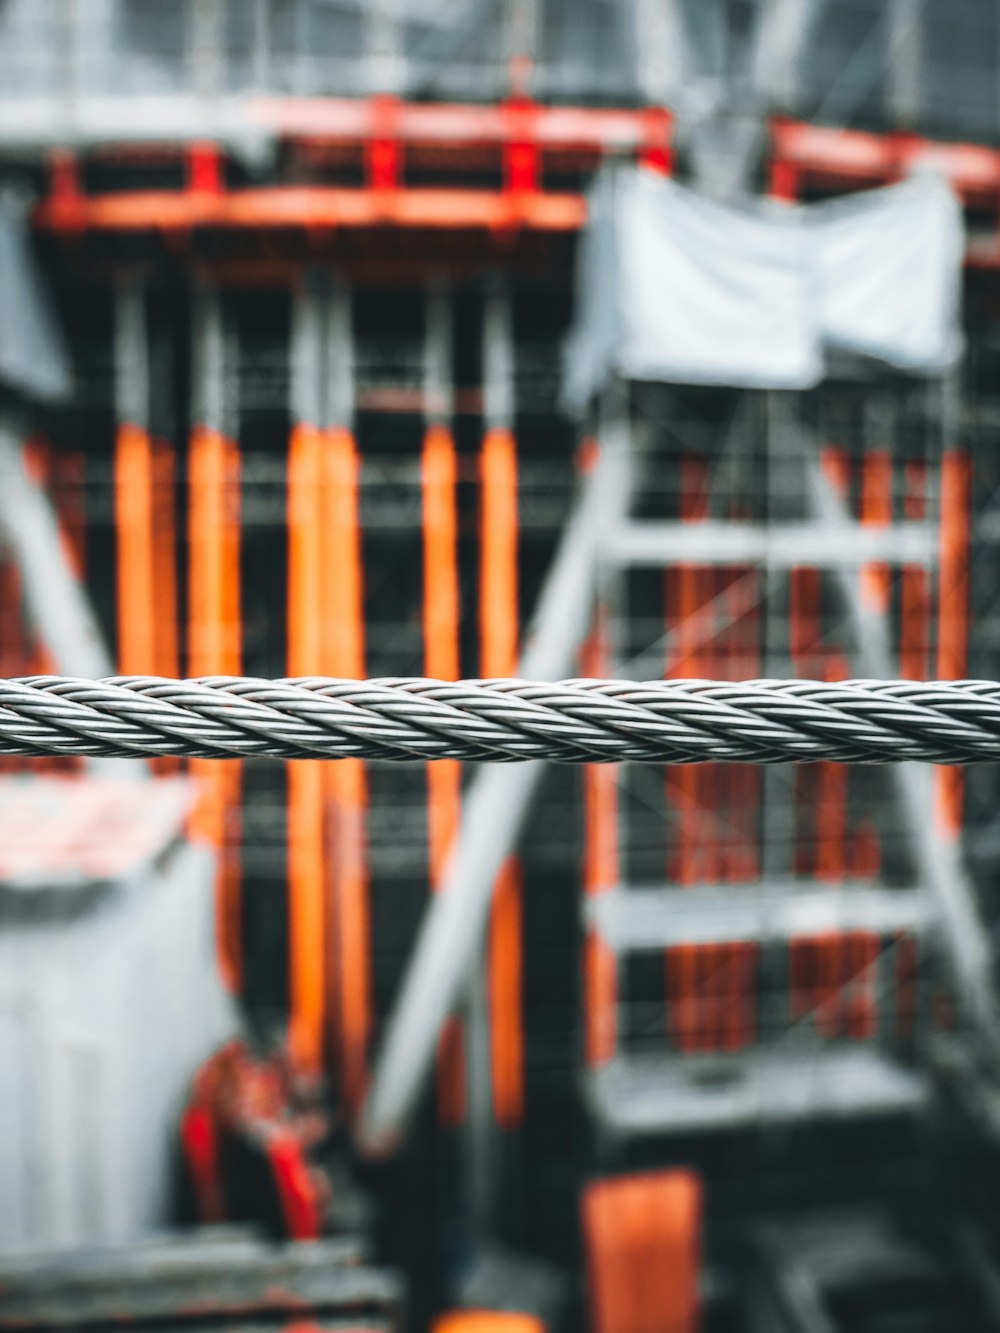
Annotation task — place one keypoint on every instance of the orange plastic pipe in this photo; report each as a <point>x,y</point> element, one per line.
<point>136,563</point>
<point>914,593</point>
<point>215,648</point>
<point>307,915</point>
<point>833,780</point>
<point>685,963</point>
<point>953,615</point>
<point>498,629</point>
<point>600,873</point>
<point>876,512</point>
<point>737,1002</point>
<point>441,613</point>
<point>342,647</point>
<point>642,1241</point>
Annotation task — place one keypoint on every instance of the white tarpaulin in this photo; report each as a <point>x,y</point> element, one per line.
<point>678,288</point>
<point>887,268</point>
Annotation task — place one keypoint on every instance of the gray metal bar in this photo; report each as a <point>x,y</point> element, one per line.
<point>634,919</point>
<point>208,334</point>
<point>904,75</point>
<point>306,353</point>
<point>782,30</point>
<point>438,388</point>
<point>131,353</point>
<point>384,58</point>
<point>339,358</point>
<point>498,358</point>
<point>832,545</point>
<point>452,930</point>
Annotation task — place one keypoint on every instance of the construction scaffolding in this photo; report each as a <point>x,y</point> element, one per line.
<point>314,263</point>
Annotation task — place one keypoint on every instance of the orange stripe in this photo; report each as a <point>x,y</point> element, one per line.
<point>953,616</point>
<point>642,1242</point>
<point>439,479</point>
<point>498,628</point>
<point>135,566</point>
<point>306,888</point>
<point>214,648</point>
<point>600,873</point>
<point>506,967</point>
<point>832,952</point>
<point>914,593</point>
<point>165,622</point>
<point>876,512</point>
<point>342,650</point>
<point>684,962</point>
<point>165,561</point>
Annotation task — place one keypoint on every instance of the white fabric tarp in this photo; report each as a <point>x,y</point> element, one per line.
<point>887,270</point>
<point>677,288</point>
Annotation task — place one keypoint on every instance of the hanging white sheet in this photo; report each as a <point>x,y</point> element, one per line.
<point>675,287</point>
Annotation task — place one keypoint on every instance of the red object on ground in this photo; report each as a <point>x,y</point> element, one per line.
<point>487,1321</point>
<point>642,1235</point>
<point>244,1106</point>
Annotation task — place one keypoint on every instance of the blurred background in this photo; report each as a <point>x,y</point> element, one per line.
<point>465,338</point>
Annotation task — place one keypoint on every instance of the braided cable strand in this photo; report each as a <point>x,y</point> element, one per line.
<point>569,721</point>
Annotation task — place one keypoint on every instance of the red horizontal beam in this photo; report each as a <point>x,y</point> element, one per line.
<point>312,208</point>
<point>821,152</point>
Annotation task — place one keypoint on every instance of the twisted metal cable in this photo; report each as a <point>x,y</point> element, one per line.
<point>569,721</point>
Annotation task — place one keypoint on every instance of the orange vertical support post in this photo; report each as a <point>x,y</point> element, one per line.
<point>134,484</point>
<point>439,477</point>
<point>308,924</point>
<point>831,804</point>
<point>805,589</point>
<point>642,1240</point>
<point>914,609</point>
<point>600,874</point>
<point>144,507</point>
<point>953,616</point>
<point>214,619</point>
<point>346,783</point>
<point>498,657</point>
<point>145,565</point>
<point>498,631</point>
<point>442,661</point>
<point>685,963</point>
<point>876,512</point>
<point>864,850</point>
<point>307,906</point>
<point>736,998</point>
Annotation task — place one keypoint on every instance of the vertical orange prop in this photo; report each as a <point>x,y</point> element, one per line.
<point>736,1018</point>
<point>329,942</point>
<point>307,918</point>
<point>876,512</point>
<point>498,628</point>
<point>642,1244</point>
<point>600,873</point>
<point>863,845</point>
<point>136,563</point>
<point>441,662</point>
<point>805,589</point>
<point>685,962</point>
<point>345,783</point>
<point>214,648</point>
<point>914,609</point>
<point>832,797</point>
<point>953,616</point>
